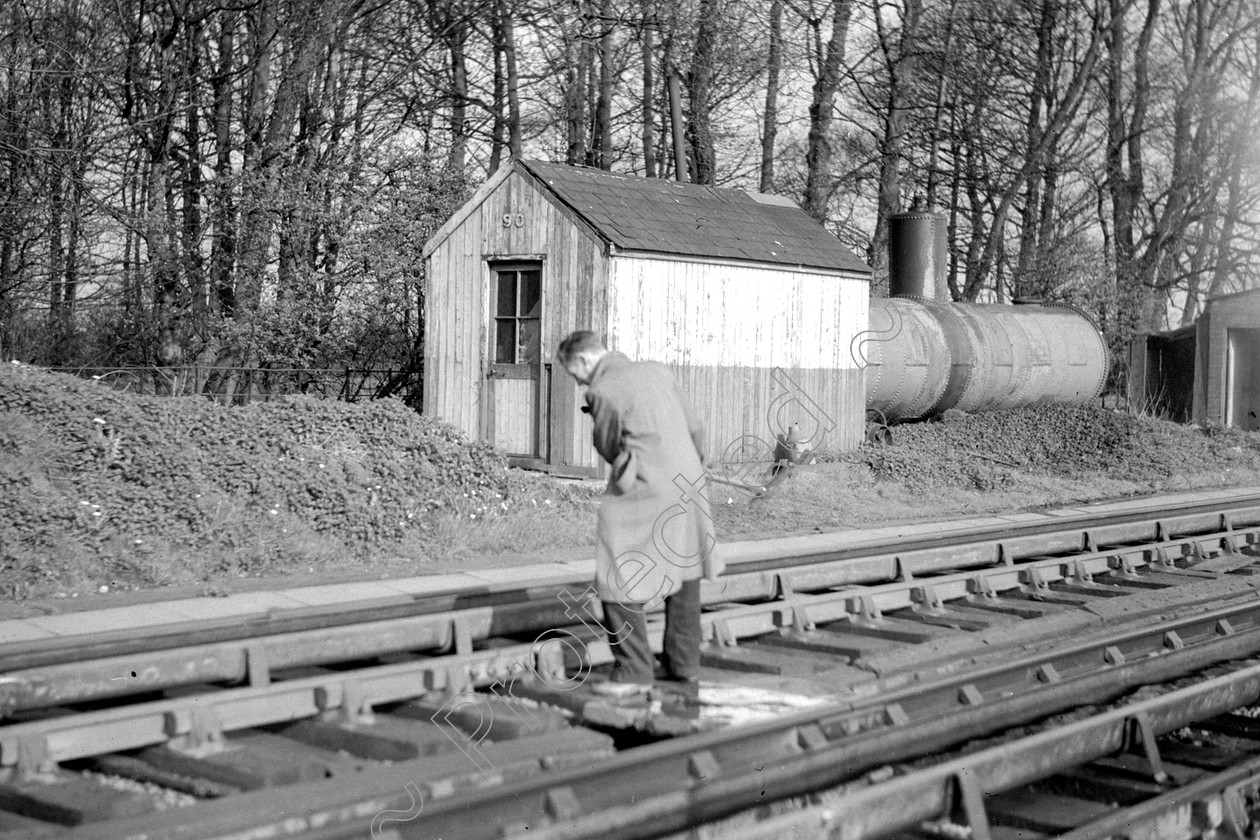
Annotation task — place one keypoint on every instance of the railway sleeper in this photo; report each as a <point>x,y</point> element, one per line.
<point>66,798</point>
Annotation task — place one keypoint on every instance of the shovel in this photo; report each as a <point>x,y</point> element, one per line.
<point>758,491</point>
<point>787,454</point>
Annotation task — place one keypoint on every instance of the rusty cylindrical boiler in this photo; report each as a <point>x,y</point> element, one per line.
<point>924,355</point>
<point>906,357</point>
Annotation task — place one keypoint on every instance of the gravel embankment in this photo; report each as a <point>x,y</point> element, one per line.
<point>93,475</point>
<point>982,451</point>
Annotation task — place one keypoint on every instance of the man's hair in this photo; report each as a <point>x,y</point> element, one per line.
<point>576,343</point>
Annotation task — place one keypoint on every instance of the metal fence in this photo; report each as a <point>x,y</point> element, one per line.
<point>239,385</point>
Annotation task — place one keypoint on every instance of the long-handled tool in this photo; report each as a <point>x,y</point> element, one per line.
<point>779,473</point>
<point>757,490</point>
<point>787,455</point>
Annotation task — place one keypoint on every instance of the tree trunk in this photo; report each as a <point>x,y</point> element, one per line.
<point>700,93</point>
<point>1124,139</point>
<point>1032,209</point>
<point>499,102</point>
<point>902,62</point>
<point>770,121</point>
<point>647,102</point>
<point>951,228</point>
<point>223,244</point>
<point>253,238</point>
<point>1236,193</point>
<point>192,179</point>
<point>513,84</point>
<point>934,138</point>
<point>826,85</point>
<point>676,122</point>
<point>576,73</point>
<point>601,135</point>
<point>456,36</point>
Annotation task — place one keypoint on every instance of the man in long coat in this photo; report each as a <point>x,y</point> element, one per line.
<point>655,532</point>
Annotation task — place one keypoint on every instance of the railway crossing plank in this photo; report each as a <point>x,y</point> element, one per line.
<point>1235,725</point>
<point>1017,604</point>
<point>70,799</point>
<point>1046,813</point>
<point>760,657</point>
<point>375,790</point>
<point>249,761</point>
<point>1096,783</point>
<point>16,827</point>
<point>383,738</point>
<point>486,715</point>
<point>957,617</point>
<point>128,767</point>
<point>1200,757</point>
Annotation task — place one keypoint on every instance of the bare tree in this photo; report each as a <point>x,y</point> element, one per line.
<point>901,54</point>
<point>770,119</point>
<point>700,92</point>
<point>827,64</point>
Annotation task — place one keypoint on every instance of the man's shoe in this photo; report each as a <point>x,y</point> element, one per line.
<point>620,689</point>
<point>679,699</point>
<point>679,690</point>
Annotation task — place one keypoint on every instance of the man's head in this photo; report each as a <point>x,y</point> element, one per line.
<point>580,352</point>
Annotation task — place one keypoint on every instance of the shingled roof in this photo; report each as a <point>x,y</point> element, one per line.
<point>667,217</point>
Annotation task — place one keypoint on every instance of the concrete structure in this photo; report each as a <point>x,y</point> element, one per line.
<point>752,303</point>
<point>1227,362</point>
<point>1207,373</point>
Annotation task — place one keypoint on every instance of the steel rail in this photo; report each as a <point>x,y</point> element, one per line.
<point>928,593</point>
<point>194,721</point>
<point>880,809</point>
<point>514,609</point>
<point>875,810</point>
<point>511,608</point>
<point>1217,784</point>
<point>253,661</point>
<point>791,606</point>
<point>707,776</point>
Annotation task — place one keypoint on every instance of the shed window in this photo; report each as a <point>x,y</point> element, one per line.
<point>517,314</point>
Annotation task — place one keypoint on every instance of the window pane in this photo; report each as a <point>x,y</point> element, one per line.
<point>531,341</point>
<point>531,294</point>
<point>505,340</point>
<point>506,305</point>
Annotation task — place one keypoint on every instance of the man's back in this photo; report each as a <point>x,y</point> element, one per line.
<point>637,407</point>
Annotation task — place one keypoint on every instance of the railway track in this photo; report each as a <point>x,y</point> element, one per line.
<point>469,714</point>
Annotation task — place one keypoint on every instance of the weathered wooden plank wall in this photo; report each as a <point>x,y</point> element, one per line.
<point>515,418</point>
<point>757,348</point>
<point>514,221</point>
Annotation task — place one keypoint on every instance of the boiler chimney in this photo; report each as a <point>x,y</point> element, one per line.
<point>917,257</point>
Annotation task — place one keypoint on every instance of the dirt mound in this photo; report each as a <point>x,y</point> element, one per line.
<point>90,472</point>
<point>980,450</point>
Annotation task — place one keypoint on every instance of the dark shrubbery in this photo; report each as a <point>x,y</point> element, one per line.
<point>118,474</point>
<point>1073,441</point>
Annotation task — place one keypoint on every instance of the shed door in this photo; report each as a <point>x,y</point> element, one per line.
<point>517,406</point>
<point>1242,387</point>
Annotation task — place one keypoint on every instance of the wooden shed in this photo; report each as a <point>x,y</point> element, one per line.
<point>1227,363</point>
<point>751,302</point>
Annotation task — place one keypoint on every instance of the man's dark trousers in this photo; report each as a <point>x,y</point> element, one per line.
<point>632,654</point>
